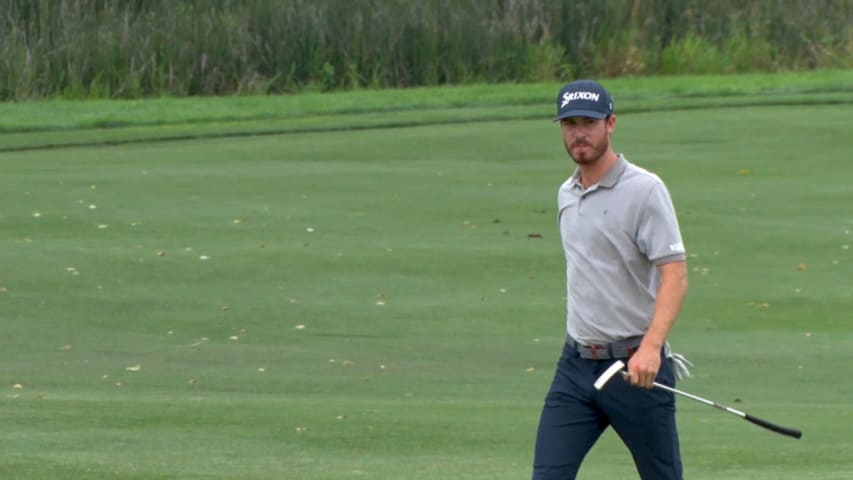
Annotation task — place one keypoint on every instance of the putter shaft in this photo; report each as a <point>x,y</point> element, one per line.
<point>791,432</point>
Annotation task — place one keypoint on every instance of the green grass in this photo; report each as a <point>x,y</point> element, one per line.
<point>446,379</point>
<point>63,123</point>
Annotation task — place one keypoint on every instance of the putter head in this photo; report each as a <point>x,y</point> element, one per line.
<point>608,374</point>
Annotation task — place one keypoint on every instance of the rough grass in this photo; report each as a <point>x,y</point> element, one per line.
<point>62,123</point>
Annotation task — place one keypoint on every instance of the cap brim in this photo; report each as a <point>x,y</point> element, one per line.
<point>581,113</point>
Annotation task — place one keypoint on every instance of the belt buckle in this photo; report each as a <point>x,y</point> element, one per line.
<point>593,350</point>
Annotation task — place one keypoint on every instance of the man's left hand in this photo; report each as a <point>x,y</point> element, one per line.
<point>643,367</point>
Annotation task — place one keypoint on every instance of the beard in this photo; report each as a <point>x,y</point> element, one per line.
<point>587,153</point>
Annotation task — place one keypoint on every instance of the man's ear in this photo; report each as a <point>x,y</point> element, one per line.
<point>611,123</point>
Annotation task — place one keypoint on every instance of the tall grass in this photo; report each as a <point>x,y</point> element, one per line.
<point>135,48</point>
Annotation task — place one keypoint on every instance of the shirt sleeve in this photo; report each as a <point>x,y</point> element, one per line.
<point>658,235</point>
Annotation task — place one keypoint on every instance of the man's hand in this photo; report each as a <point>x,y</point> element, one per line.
<point>643,367</point>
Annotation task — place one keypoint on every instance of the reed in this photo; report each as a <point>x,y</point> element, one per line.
<point>132,49</point>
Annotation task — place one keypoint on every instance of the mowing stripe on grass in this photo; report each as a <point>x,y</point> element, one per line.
<point>196,130</point>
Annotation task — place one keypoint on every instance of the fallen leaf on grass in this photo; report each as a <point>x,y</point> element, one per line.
<point>17,386</point>
<point>801,267</point>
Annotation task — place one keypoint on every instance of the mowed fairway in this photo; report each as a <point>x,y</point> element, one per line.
<point>389,304</point>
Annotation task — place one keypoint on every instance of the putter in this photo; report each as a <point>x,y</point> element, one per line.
<point>619,365</point>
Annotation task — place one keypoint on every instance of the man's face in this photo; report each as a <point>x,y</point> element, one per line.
<point>586,139</point>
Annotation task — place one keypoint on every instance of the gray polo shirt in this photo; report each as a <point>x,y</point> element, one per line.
<point>614,234</point>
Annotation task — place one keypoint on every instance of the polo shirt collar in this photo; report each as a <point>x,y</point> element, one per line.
<point>610,178</point>
<point>614,173</point>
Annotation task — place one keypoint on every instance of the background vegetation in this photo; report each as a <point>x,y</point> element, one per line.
<point>132,49</point>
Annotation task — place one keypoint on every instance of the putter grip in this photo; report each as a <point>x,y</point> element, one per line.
<point>772,426</point>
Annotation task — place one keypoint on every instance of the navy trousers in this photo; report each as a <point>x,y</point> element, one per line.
<point>575,415</point>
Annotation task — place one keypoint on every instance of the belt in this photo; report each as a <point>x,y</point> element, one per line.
<point>606,351</point>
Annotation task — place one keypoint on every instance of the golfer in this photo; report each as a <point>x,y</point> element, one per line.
<point>625,283</point>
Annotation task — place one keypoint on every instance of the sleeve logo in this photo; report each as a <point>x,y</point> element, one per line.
<point>677,247</point>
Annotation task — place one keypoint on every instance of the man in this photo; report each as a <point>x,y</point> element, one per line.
<point>626,280</point>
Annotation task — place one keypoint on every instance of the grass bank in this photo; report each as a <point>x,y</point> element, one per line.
<point>45,124</point>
